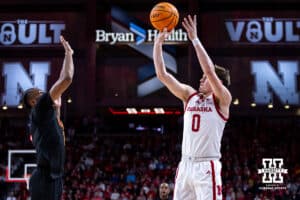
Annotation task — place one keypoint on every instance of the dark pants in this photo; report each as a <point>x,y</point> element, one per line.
<point>43,187</point>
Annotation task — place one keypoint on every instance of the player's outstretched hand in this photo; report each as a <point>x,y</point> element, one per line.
<point>67,47</point>
<point>160,38</point>
<point>190,26</point>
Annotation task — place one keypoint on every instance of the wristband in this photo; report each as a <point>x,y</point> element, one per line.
<point>196,41</point>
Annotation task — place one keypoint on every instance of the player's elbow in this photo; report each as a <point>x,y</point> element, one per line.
<point>161,76</point>
<point>68,79</point>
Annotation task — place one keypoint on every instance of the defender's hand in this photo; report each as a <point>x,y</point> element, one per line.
<point>67,47</point>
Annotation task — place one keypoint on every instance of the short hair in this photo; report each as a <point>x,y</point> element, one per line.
<point>29,93</point>
<point>223,74</point>
<point>164,183</point>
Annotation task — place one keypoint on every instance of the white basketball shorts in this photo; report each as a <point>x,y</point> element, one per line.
<point>198,180</point>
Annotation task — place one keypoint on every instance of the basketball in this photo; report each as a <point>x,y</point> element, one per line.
<point>164,15</point>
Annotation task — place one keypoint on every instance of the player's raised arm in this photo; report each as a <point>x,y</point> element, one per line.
<point>208,67</point>
<point>66,73</point>
<point>57,106</point>
<point>180,90</point>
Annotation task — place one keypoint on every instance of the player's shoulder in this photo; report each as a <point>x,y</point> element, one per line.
<point>190,92</point>
<point>226,98</point>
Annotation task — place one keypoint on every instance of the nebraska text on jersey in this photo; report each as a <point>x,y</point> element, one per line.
<point>199,109</point>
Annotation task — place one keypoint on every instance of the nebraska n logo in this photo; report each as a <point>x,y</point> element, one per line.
<point>272,170</point>
<point>17,79</point>
<point>283,84</point>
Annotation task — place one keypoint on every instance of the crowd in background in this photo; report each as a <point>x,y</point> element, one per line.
<point>131,165</point>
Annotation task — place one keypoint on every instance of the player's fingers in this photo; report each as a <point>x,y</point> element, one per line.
<point>195,20</point>
<point>185,21</point>
<point>67,45</point>
<point>62,39</point>
<point>63,42</point>
<point>190,20</point>
<point>165,34</point>
<point>187,24</point>
<point>160,35</point>
<point>68,48</point>
<point>184,26</point>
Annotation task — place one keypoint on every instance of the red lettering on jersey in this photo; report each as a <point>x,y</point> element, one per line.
<point>199,109</point>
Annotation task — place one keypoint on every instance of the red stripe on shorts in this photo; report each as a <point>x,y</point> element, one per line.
<point>213,179</point>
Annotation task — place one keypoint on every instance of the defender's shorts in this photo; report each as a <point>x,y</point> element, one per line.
<point>43,187</point>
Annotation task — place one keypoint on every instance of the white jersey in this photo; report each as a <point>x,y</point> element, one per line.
<point>203,128</point>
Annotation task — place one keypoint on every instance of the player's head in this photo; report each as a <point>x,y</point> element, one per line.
<point>223,75</point>
<point>164,191</point>
<point>30,97</point>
